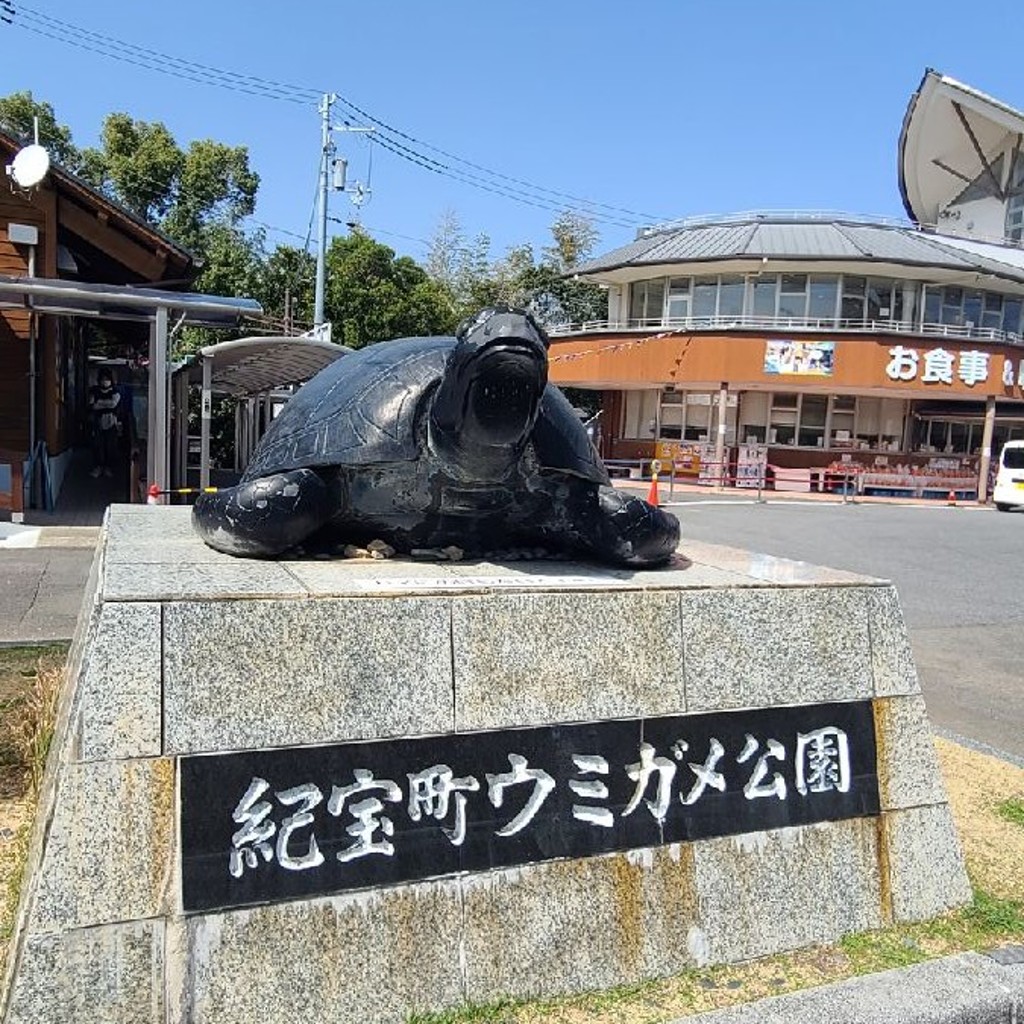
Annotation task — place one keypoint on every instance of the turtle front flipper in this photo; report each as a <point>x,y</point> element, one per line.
<point>266,516</point>
<point>629,531</point>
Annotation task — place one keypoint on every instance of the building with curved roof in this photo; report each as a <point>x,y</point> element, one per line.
<point>825,346</point>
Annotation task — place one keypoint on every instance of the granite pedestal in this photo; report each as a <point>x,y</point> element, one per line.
<point>187,660</point>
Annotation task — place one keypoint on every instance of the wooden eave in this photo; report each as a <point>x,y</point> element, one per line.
<point>109,228</point>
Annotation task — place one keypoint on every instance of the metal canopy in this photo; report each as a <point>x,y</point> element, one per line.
<point>247,369</point>
<point>121,302</point>
<point>252,366</point>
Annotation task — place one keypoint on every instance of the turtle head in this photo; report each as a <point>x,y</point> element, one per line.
<point>488,399</point>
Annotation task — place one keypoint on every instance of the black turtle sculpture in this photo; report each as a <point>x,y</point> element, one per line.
<point>431,442</point>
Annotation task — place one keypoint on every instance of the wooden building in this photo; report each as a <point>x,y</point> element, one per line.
<point>81,236</point>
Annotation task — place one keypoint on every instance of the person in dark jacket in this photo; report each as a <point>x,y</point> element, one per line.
<point>106,416</point>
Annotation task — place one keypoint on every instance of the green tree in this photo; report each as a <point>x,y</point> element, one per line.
<point>286,289</point>
<point>17,114</point>
<point>140,164</point>
<point>372,295</point>
<point>547,287</point>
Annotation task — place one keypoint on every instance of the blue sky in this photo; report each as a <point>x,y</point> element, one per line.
<point>664,109</point>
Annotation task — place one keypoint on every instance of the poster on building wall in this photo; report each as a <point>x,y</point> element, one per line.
<point>805,358</point>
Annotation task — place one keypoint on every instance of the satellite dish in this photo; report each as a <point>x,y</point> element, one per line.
<point>29,166</point>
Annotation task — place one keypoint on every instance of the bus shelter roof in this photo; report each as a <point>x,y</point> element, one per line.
<point>252,366</point>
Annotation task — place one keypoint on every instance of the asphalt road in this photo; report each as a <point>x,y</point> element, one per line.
<point>959,573</point>
<point>41,592</point>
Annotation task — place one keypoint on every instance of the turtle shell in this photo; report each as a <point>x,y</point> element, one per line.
<point>361,410</point>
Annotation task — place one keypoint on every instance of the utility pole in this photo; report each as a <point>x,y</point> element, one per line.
<point>326,155</point>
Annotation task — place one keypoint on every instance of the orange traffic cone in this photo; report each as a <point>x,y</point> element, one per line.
<point>652,494</point>
<point>951,498</point>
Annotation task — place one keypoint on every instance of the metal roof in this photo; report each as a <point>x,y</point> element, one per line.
<point>808,238</point>
<point>121,302</point>
<point>253,366</point>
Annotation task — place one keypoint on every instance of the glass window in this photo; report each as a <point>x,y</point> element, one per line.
<point>959,437</point>
<point>655,300</point>
<point>679,298</point>
<point>992,316</point>
<point>1011,315</point>
<point>730,296</point>
<point>853,298</point>
<point>1013,458</point>
<point>823,292</point>
<point>937,435</point>
<point>897,301</point>
<point>754,414</point>
<point>705,295</point>
<point>793,295</point>
<point>972,309</point>
<point>952,303</point>
<point>671,425</point>
<point>932,305</point>
<point>879,299</point>
<point>698,416</point>
<point>647,300</point>
<point>1015,208</point>
<point>812,420</point>
<point>764,296</point>
<point>637,300</point>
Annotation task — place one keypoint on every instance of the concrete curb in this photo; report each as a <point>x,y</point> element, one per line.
<point>970,988</point>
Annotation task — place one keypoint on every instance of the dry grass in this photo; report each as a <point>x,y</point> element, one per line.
<point>30,682</point>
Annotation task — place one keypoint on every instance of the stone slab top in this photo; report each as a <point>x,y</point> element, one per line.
<point>152,554</point>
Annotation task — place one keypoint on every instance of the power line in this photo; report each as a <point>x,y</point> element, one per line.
<point>385,127</point>
<point>42,24</point>
<point>155,60</point>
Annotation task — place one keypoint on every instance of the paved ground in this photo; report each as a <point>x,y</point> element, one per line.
<point>43,574</point>
<point>960,576</point>
<point>959,572</point>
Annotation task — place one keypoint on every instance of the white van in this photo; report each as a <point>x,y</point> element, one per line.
<point>1009,489</point>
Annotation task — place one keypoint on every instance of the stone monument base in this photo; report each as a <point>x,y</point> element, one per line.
<point>350,791</point>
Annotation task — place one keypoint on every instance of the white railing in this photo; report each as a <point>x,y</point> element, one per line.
<point>778,324</point>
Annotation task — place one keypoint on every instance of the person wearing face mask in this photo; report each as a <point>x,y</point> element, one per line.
<point>104,408</point>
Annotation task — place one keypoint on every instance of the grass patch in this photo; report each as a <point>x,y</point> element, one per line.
<point>30,683</point>
<point>988,921</point>
<point>1011,810</point>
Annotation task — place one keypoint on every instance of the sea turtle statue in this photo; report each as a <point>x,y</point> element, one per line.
<point>430,442</point>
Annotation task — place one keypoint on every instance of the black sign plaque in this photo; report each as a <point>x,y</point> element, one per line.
<point>282,824</point>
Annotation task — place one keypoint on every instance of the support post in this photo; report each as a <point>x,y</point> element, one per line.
<point>723,413</point>
<point>326,152</point>
<point>181,392</point>
<point>986,448</point>
<point>206,418</point>
<point>158,442</point>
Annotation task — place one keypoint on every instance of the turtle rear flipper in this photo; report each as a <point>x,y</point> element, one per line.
<point>265,517</point>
